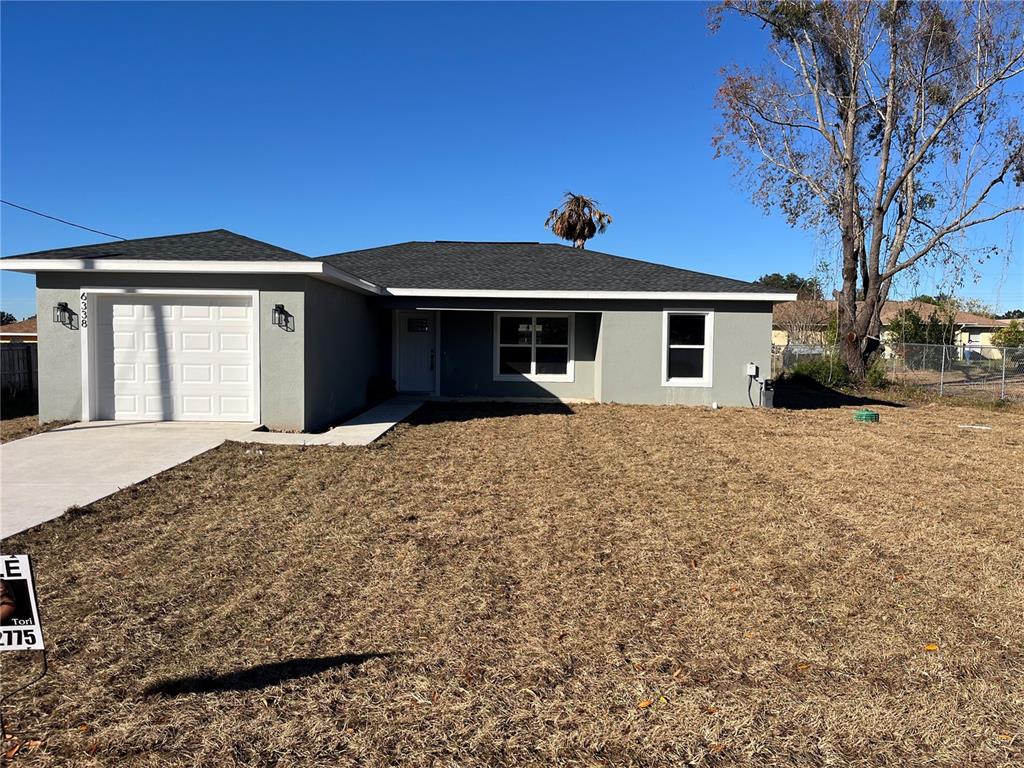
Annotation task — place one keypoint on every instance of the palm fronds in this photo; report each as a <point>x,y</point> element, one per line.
<point>578,219</point>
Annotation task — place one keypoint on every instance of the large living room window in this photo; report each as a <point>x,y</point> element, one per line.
<point>536,346</point>
<point>686,348</point>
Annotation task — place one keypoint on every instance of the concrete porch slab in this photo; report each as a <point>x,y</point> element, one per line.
<point>361,430</point>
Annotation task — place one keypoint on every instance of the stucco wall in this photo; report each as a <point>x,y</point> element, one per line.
<point>312,379</point>
<point>60,353</point>
<point>467,360</point>
<point>342,352</point>
<point>625,364</point>
<point>632,348</point>
<point>281,353</point>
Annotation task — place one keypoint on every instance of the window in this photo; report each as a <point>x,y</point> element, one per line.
<point>687,339</point>
<point>535,346</point>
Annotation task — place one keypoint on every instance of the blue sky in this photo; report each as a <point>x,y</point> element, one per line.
<point>326,127</point>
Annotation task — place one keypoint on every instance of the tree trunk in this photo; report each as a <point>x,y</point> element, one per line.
<point>850,350</point>
<point>579,242</point>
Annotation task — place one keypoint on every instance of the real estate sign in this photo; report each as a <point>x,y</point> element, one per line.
<point>20,628</point>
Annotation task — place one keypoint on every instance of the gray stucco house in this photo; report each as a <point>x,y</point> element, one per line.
<point>217,326</point>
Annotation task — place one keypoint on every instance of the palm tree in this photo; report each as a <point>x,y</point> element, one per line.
<point>578,219</point>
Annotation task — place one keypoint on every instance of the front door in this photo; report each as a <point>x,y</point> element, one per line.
<point>416,351</point>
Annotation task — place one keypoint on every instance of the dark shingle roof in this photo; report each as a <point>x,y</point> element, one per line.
<point>214,245</point>
<point>522,267</point>
<point>433,265</point>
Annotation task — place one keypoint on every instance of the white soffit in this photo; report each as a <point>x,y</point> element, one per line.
<point>324,271</point>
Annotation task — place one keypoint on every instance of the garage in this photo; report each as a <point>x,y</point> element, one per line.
<point>172,357</point>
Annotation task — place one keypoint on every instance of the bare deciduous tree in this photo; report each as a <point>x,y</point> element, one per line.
<point>890,123</point>
<point>805,322</point>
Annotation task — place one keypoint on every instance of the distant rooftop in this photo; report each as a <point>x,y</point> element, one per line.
<point>26,326</point>
<point>819,312</point>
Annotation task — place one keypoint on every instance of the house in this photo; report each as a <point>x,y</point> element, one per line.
<point>804,323</point>
<point>23,331</point>
<point>217,326</point>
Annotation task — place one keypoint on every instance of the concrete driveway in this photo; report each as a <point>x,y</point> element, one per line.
<point>43,475</point>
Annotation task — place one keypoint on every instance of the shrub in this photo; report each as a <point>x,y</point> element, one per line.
<point>1009,336</point>
<point>829,371</point>
<point>876,374</point>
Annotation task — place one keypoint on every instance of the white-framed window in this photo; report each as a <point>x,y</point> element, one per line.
<point>686,348</point>
<point>537,346</point>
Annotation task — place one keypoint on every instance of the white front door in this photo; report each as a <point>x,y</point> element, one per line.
<point>416,334</point>
<point>175,358</point>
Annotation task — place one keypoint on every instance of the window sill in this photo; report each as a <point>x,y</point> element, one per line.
<point>551,377</point>
<point>706,383</point>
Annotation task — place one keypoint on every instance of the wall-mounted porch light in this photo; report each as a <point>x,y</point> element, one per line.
<point>282,318</point>
<point>62,313</point>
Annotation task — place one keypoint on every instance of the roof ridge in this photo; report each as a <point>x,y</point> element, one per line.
<point>126,240</point>
<point>559,245</point>
<point>371,248</point>
<point>252,240</point>
<point>114,244</point>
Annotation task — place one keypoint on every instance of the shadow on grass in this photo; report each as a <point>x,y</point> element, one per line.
<point>441,412</point>
<point>801,393</point>
<point>260,676</point>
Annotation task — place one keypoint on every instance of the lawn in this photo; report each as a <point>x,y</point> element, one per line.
<point>493,586</point>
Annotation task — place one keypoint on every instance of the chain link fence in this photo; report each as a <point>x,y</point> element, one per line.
<point>968,370</point>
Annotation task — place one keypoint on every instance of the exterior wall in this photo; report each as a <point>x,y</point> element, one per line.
<point>467,360</point>
<point>781,338</point>
<point>315,379</point>
<point>624,365</point>
<point>343,352</point>
<point>984,339</point>
<point>60,351</point>
<point>282,404</point>
<point>633,347</point>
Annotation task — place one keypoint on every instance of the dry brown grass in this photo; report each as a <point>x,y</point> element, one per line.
<point>534,580</point>
<point>25,426</point>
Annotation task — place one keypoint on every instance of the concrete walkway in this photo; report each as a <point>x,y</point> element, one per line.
<point>362,430</point>
<point>43,475</point>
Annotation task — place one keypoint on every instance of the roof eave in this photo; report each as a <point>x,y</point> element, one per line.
<point>659,295</point>
<point>324,271</point>
<point>315,269</point>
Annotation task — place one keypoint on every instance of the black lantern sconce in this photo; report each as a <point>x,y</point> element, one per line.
<point>62,314</point>
<point>282,318</point>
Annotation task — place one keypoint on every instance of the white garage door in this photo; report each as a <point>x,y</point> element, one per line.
<point>175,358</point>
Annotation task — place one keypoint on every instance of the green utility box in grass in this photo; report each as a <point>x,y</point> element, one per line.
<point>865,414</point>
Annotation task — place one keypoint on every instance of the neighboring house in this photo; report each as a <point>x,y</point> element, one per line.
<point>805,322</point>
<point>23,331</point>
<point>217,326</point>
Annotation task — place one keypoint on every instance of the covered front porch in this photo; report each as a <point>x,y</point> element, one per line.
<point>496,353</point>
